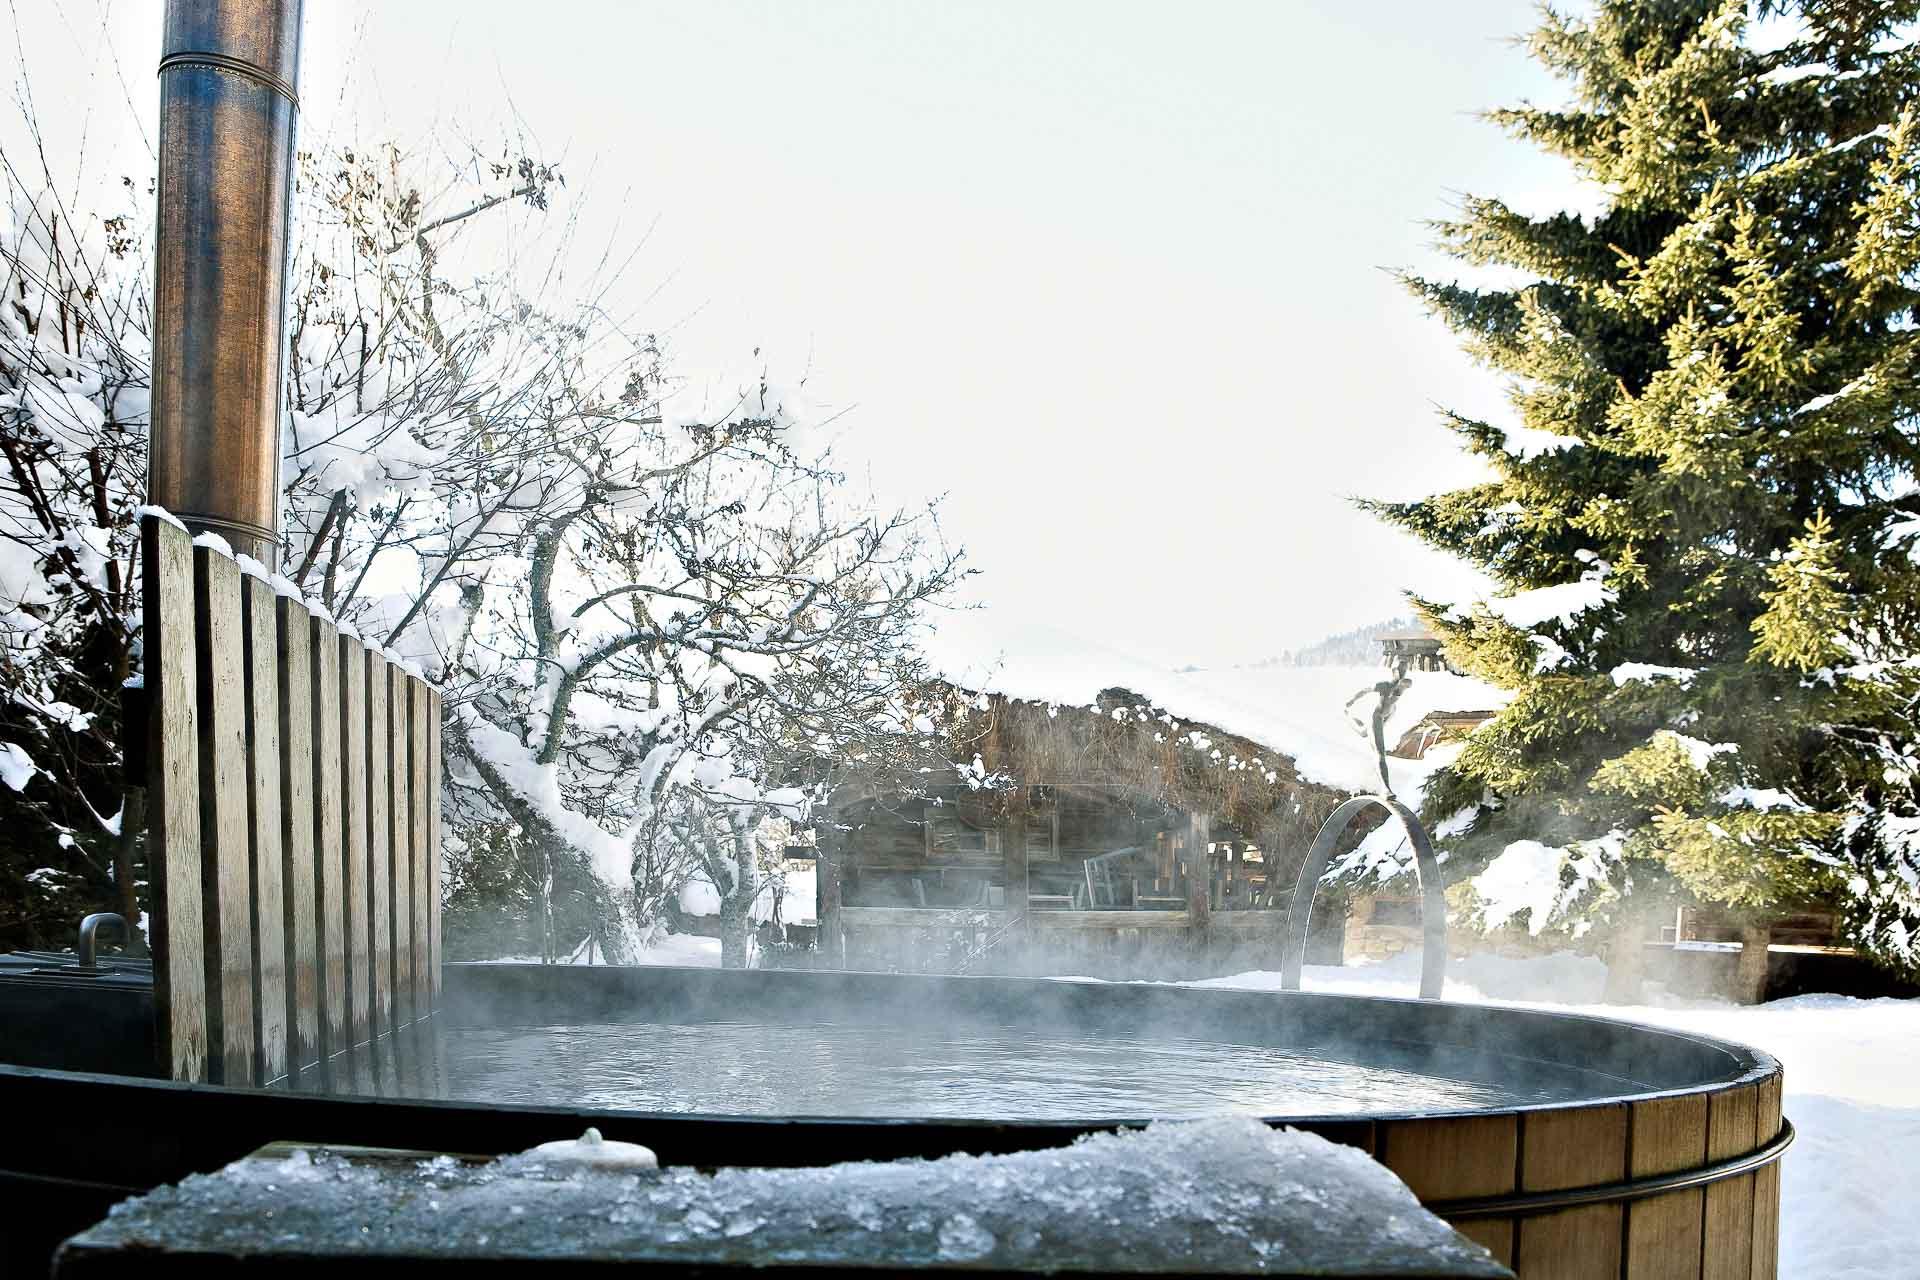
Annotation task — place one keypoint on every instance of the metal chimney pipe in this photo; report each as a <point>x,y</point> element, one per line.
<point>228,102</point>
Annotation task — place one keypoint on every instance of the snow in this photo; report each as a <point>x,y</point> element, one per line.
<point>161,514</point>
<point>1559,603</point>
<point>1224,1194</point>
<point>1647,673</point>
<point>16,766</point>
<point>698,897</point>
<point>683,949</point>
<point>1848,1183</point>
<point>1298,712</point>
<point>539,786</point>
<point>1878,131</point>
<point>1700,753</point>
<point>1806,71</point>
<point>592,1151</point>
<point>1528,442</point>
<point>1525,877</point>
<point>1764,799</point>
<point>1542,880</point>
<point>680,950</point>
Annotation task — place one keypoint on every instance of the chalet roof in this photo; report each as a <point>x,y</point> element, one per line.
<point>1298,713</point>
<point>1404,636</point>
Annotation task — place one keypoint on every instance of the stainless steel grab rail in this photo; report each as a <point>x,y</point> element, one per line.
<point>1433,903</point>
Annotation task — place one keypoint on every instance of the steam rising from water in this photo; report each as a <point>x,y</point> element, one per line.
<point>855,1069</point>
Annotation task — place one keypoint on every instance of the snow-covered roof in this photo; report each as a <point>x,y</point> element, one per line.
<point>1299,712</point>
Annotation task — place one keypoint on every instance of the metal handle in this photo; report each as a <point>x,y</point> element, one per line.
<point>90,927</point>
<point>1433,903</point>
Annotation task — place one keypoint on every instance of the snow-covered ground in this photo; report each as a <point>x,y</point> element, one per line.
<point>686,949</point>
<point>1850,1182</point>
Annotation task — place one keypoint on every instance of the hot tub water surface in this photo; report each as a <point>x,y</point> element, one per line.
<point>874,1070</point>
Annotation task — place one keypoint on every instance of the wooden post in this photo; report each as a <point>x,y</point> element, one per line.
<point>1199,880</point>
<point>264,749</point>
<point>1229,894</point>
<point>173,814</point>
<point>1626,956</point>
<point>830,945</point>
<point>226,861</point>
<point>1015,866</point>
<point>1750,975</point>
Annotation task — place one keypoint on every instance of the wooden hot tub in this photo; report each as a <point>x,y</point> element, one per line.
<point>1667,1167</point>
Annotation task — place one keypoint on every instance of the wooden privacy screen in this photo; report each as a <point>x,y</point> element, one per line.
<point>294,832</point>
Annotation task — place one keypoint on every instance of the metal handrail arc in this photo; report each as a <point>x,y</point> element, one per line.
<point>1433,903</point>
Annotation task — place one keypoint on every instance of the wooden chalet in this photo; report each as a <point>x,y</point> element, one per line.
<point>1113,838</point>
<point>1413,650</point>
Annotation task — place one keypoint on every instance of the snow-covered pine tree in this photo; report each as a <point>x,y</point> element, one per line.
<point>1703,523</point>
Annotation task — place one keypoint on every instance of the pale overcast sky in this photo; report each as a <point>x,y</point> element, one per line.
<point>1109,275</point>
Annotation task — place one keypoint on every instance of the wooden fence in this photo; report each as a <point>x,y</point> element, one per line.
<point>293,780</point>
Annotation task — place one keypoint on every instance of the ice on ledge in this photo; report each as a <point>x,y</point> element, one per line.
<point>591,1151</point>
<point>1224,1195</point>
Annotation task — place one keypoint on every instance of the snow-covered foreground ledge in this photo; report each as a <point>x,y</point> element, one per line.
<point>1225,1195</point>
<point>1850,1181</point>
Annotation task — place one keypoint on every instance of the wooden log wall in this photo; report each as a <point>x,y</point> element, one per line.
<point>294,824</point>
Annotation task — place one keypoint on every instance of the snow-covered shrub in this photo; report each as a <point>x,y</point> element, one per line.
<point>73,417</point>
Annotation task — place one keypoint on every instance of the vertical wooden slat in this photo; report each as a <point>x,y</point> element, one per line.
<point>1446,1159</point>
<point>422,849</point>
<point>1580,1147</point>
<point>294,626</point>
<point>353,828</point>
<point>328,858</point>
<point>379,841</point>
<point>399,850</point>
<point>434,712</point>
<point>1732,1123</point>
<point>173,813</point>
<point>225,860</point>
<point>1766,1187</point>
<point>264,830</point>
<point>1663,1233</point>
